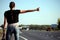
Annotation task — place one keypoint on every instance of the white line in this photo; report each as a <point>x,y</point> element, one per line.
<point>23,38</point>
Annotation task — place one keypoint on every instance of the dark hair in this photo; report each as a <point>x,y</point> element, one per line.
<point>12,5</point>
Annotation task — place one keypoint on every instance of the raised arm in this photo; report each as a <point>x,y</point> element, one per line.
<point>32,10</point>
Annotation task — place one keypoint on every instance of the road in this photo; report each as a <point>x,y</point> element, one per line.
<point>39,35</point>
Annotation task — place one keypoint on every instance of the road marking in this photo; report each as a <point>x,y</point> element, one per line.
<point>23,38</point>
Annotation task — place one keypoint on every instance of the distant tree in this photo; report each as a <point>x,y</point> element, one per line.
<point>58,23</point>
<point>39,27</point>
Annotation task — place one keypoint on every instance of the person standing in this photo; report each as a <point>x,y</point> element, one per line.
<point>11,17</point>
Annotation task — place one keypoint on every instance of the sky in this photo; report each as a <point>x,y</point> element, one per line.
<point>48,14</point>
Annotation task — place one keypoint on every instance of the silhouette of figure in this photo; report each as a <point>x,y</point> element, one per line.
<point>11,20</point>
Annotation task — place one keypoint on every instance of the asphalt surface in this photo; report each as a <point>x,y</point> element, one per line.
<point>40,35</point>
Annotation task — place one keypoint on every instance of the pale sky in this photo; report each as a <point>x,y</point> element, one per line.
<point>48,14</point>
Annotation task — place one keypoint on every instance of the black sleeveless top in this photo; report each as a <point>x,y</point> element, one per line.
<point>12,16</point>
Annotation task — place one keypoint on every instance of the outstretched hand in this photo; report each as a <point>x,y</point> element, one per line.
<point>37,9</point>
